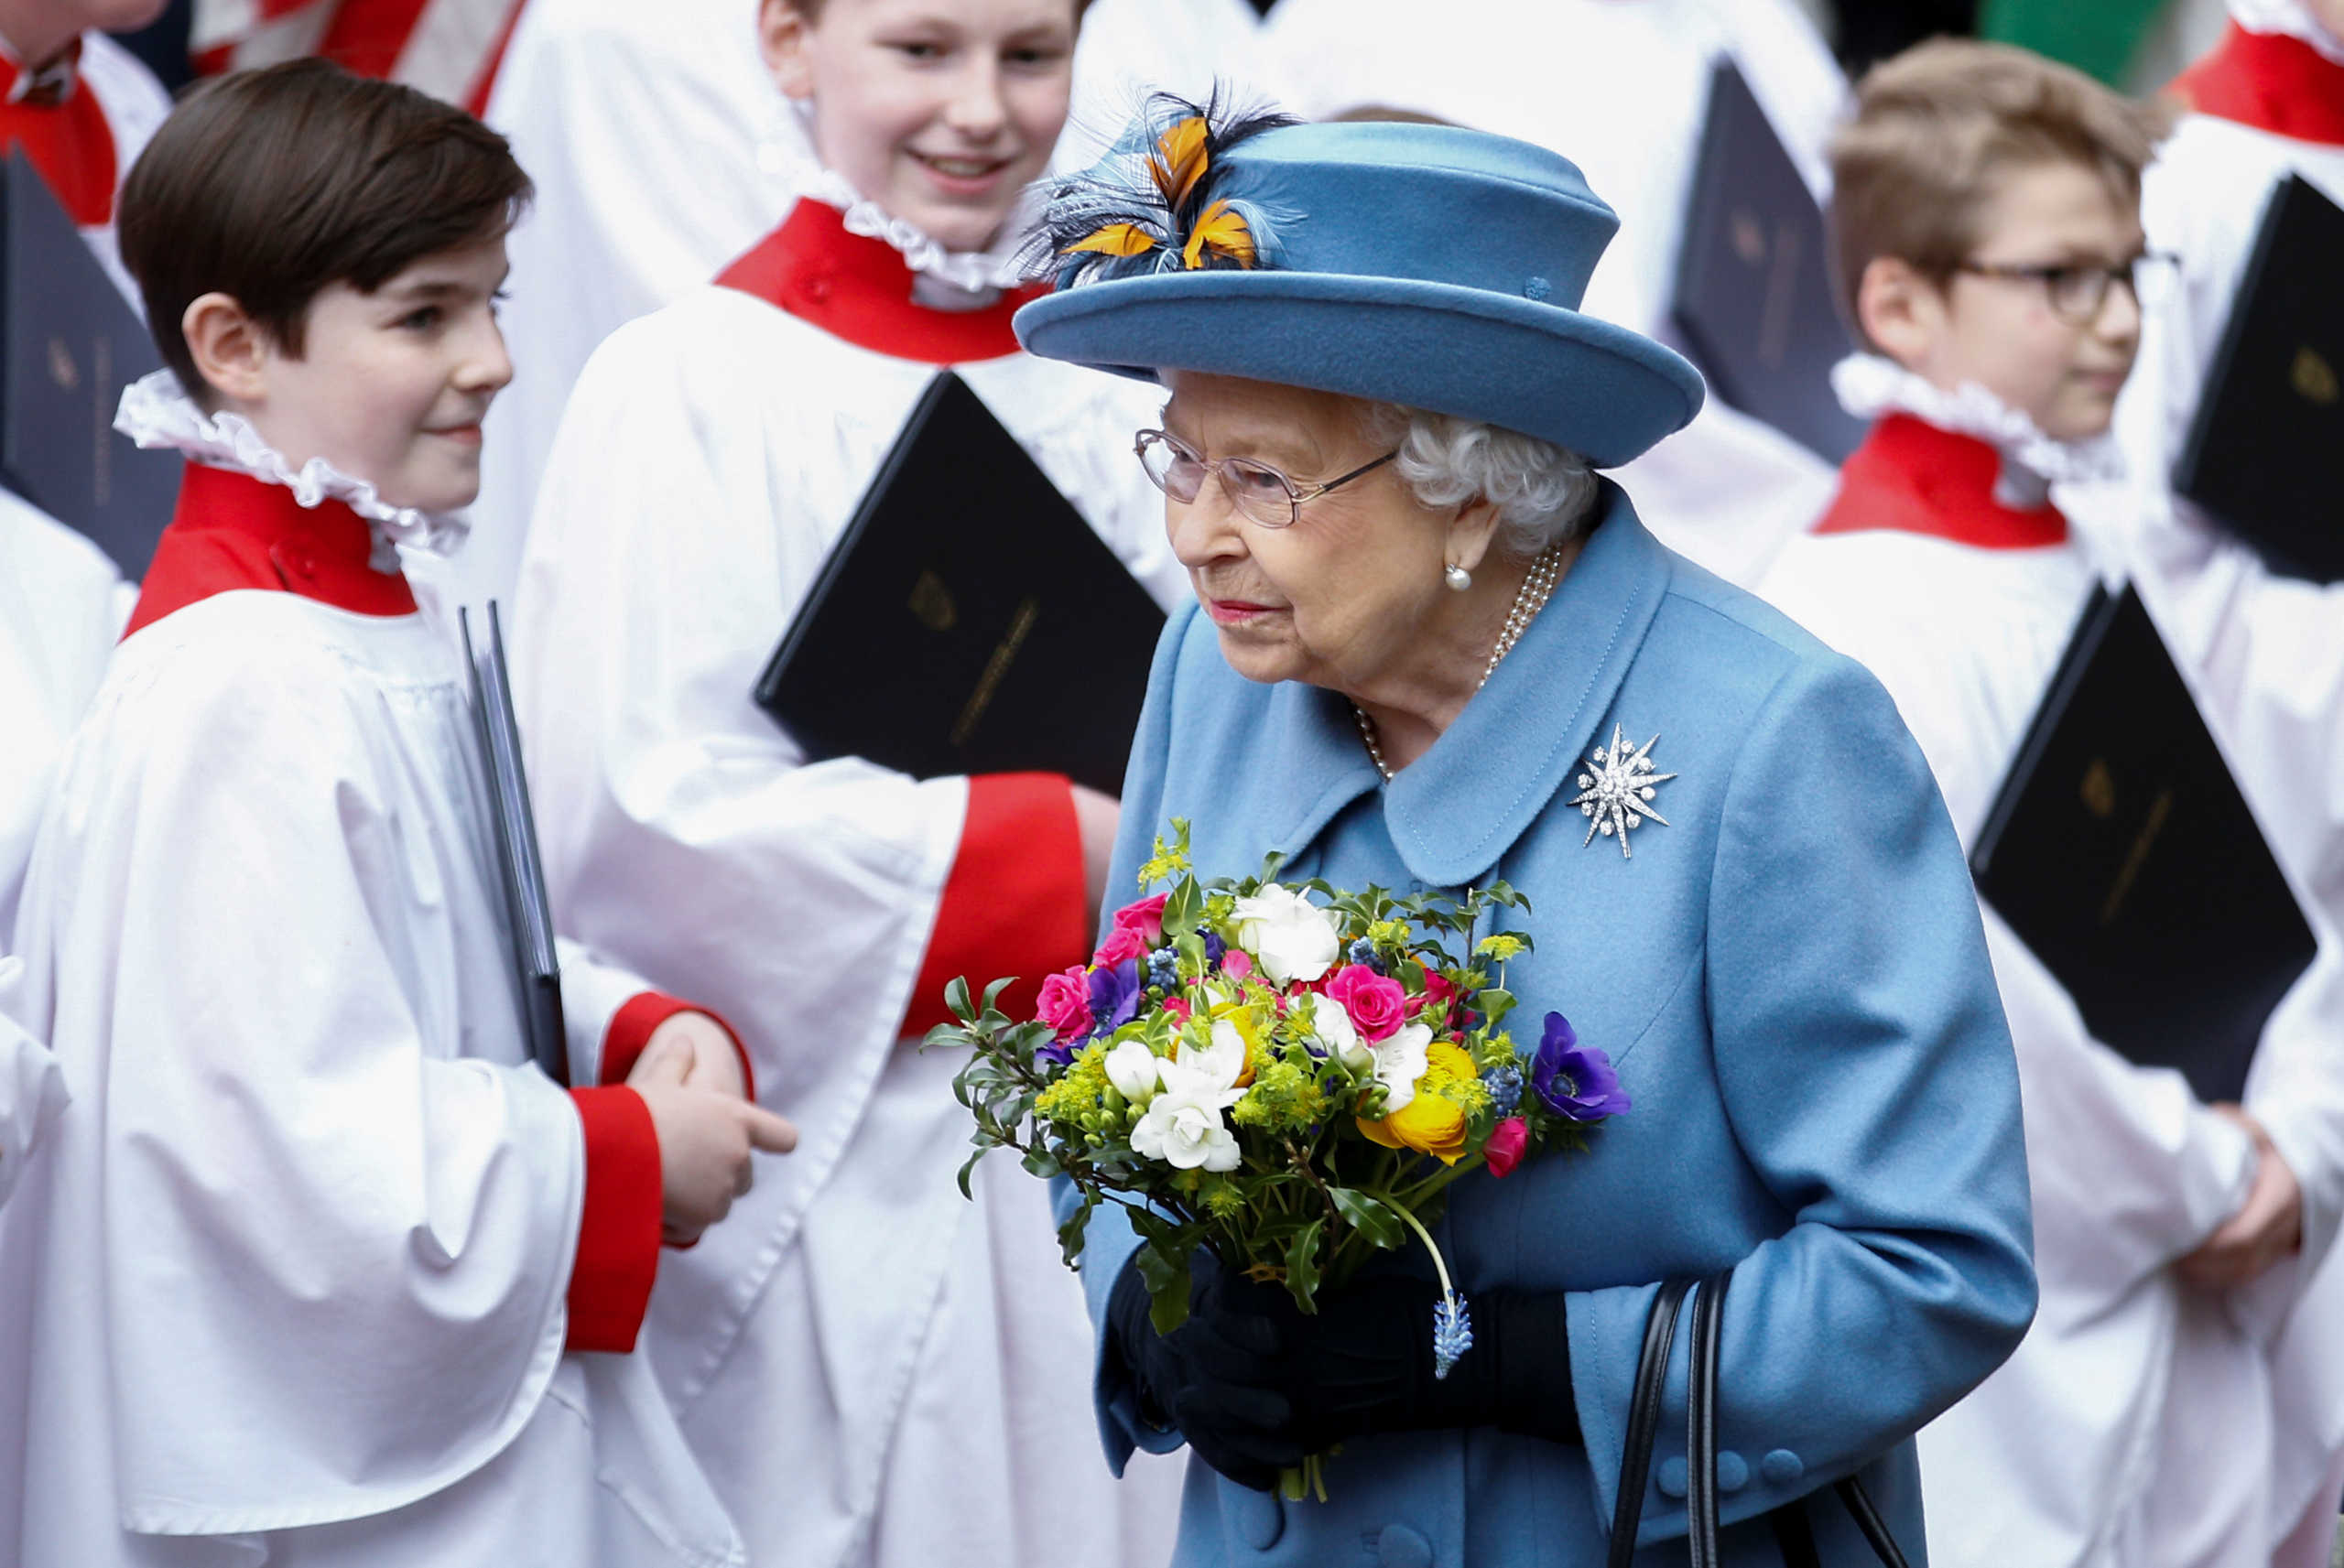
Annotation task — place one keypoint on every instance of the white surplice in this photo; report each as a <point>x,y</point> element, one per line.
<point>2141,1423</point>
<point>661,150</point>
<point>1619,90</point>
<point>873,1369</point>
<point>2265,651</point>
<point>288,1285</point>
<point>62,603</point>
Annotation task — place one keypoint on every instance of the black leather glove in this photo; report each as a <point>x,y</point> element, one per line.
<point>1216,1376</point>
<point>1363,1364</point>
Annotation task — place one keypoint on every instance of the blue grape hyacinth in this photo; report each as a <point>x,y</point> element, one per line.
<point>1452,1333</point>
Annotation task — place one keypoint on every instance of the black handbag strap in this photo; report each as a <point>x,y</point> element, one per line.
<point>1644,1420</point>
<point>1701,1423</point>
<point>1792,1534</point>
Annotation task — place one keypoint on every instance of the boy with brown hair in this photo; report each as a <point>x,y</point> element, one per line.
<point>1985,220</point>
<point>303,1276</point>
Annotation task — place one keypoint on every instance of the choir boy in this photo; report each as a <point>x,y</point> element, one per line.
<point>309,1269</point>
<point>661,151</point>
<point>1987,233</point>
<point>79,107</point>
<point>900,1354</point>
<point>2267,651</point>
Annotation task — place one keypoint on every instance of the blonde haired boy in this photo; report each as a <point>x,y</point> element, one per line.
<point>1986,232</point>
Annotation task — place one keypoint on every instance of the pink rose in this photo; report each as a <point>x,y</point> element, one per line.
<point>1440,992</point>
<point>1177,1007</point>
<point>1065,1003</point>
<point>1377,1003</point>
<point>1121,942</point>
<point>1235,963</point>
<point>1504,1151</point>
<point>1145,919</point>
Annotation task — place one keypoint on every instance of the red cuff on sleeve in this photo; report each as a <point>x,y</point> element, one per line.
<point>618,1235</point>
<point>630,1032</point>
<point>1015,903</point>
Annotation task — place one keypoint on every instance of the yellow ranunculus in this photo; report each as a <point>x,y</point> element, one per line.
<point>1431,1123</point>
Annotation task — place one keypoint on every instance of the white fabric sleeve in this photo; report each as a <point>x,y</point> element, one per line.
<point>334,1254</point>
<point>685,835</point>
<point>2129,1171</point>
<point>592,991</point>
<point>2296,1092</point>
<point>32,1091</point>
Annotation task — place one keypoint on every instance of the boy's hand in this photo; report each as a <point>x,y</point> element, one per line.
<point>2267,1226</point>
<point>706,1138</point>
<point>715,1063</point>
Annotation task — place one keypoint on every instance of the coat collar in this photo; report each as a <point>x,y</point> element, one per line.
<point>231,531</point>
<point>859,288</point>
<point>1915,478</point>
<point>1529,727</point>
<point>2269,81</point>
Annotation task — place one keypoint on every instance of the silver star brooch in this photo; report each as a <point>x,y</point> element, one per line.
<point>1618,794</point>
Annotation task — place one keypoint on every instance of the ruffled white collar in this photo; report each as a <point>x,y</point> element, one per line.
<point>2292,18</point>
<point>158,414</point>
<point>1870,385</point>
<point>946,280</point>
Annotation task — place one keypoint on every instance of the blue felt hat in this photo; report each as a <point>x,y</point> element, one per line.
<point>1427,265</point>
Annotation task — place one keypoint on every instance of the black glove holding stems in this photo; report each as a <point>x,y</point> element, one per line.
<point>1260,1384</point>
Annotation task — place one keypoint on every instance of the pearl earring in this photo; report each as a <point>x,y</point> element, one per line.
<point>1457,578</point>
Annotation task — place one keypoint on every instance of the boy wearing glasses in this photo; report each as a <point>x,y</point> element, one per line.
<point>1986,228</point>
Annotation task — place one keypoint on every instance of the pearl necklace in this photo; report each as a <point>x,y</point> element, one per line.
<point>1538,588</point>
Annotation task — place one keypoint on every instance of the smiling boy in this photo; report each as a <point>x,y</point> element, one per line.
<point>1988,238</point>
<point>860,1326</point>
<point>307,1274</point>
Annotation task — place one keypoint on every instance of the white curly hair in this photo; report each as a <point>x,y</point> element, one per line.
<point>1544,494</point>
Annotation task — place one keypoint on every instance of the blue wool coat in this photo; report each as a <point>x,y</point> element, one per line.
<point>1791,978</point>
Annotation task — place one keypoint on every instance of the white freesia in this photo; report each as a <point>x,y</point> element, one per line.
<point>1130,1067</point>
<point>1183,1127</point>
<point>1293,938</point>
<point>1213,1067</point>
<point>1399,1063</point>
<point>1337,1033</point>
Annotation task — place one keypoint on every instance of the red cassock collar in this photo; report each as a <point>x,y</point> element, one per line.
<point>231,531</point>
<point>2269,81</point>
<point>64,132</point>
<point>859,288</point>
<point>1913,478</point>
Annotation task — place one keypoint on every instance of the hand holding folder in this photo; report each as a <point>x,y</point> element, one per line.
<point>2121,851</point>
<point>967,621</point>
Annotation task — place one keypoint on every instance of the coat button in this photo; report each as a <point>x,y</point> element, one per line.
<point>1672,1477</point>
<point>1400,1547</point>
<point>1256,1517</point>
<point>1781,1467</point>
<point>1734,1472</point>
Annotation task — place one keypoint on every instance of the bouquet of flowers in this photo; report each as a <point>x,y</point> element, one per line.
<point>1291,1076</point>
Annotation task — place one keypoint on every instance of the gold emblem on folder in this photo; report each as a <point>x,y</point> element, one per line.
<point>2313,377</point>
<point>931,603</point>
<point>1749,236</point>
<point>2100,790</point>
<point>61,368</point>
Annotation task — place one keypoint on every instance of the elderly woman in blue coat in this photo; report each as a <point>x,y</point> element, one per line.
<point>1432,650</point>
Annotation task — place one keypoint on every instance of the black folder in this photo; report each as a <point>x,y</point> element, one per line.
<point>69,344</point>
<point>2262,453</point>
<point>1754,296</point>
<point>967,621</point>
<point>528,912</point>
<point>2120,850</point>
